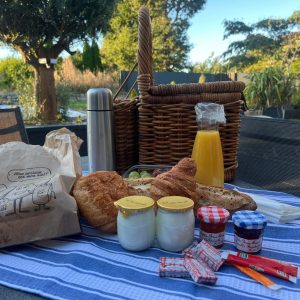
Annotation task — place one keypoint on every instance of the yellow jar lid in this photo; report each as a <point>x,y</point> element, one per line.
<point>175,203</point>
<point>134,204</point>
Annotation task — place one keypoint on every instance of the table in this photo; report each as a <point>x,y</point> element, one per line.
<point>94,266</point>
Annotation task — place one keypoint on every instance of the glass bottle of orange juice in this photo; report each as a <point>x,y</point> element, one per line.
<point>207,150</point>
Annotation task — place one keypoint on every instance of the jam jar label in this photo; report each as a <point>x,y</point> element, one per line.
<point>215,239</point>
<point>249,246</point>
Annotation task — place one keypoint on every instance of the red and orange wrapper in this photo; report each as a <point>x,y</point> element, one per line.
<point>259,277</point>
<point>261,264</point>
<point>273,263</point>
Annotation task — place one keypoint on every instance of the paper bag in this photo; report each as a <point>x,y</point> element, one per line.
<point>35,183</point>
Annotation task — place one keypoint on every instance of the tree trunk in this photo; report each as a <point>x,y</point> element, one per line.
<point>36,84</point>
<point>45,92</point>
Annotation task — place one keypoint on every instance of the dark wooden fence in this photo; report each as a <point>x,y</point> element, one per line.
<point>177,77</point>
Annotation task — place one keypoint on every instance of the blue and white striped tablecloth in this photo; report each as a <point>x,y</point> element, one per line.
<point>94,266</point>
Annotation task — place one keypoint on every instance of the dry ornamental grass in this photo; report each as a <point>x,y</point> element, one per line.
<point>80,82</point>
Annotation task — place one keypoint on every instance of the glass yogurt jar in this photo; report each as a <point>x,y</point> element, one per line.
<point>248,230</point>
<point>136,222</point>
<point>175,223</point>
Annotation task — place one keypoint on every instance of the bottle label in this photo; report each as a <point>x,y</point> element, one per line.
<point>249,246</point>
<point>215,239</point>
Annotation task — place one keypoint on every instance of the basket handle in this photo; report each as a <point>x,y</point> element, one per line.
<point>124,82</point>
<point>144,55</point>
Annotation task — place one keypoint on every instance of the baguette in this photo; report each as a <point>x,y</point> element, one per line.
<point>228,199</point>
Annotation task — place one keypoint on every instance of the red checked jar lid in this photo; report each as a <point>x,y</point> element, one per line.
<point>212,222</point>
<point>212,214</point>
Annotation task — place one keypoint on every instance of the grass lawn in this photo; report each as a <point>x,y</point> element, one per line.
<point>78,105</point>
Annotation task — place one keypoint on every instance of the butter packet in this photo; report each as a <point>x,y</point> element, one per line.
<point>209,254</point>
<point>173,267</point>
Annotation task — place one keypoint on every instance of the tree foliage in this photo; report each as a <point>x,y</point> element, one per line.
<point>268,38</point>
<point>44,28</point>
<point>35,25</point>
<point>95,62</point>
<point>212,65</point>
<point>89,59</point>
<point>170,21</point>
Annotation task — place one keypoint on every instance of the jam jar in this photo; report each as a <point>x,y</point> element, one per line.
<point>248,230</point>
<point>136,222</point>
<point>175,223</point>
<point>212,222</point>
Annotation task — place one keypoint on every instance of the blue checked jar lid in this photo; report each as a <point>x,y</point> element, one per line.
<point>249,219</point>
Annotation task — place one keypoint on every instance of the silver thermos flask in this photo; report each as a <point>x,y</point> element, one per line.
<point>100,130</point>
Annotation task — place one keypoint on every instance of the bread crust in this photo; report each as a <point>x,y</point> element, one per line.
<point>95,195</point>
<point>229,199</point>
<point>139,186</point>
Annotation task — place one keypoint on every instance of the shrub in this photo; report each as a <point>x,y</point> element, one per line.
<point>27,101</point>
<point>202,78</point>
<point>272,87</point>
<point>297,97</point>
<point>133,94</point>
<point>63,95</point>
<point>16,75</point>
<point>80,82</point>
<point>15,72</point>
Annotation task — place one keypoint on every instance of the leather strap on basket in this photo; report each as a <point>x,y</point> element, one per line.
<point>144,56</point>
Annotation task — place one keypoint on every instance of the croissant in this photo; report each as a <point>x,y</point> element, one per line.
<point>95,195</point>
<point>180,181</point>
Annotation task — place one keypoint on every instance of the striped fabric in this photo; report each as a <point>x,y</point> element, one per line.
<point>94,266</point>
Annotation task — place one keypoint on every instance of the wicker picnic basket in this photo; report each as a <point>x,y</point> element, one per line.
<point>126,133</point>
<point>167,120</point>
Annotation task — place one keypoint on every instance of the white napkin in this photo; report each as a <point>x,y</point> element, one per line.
<point>275,212</point>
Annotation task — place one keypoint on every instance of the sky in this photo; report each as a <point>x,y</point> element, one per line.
<point>207,29</point>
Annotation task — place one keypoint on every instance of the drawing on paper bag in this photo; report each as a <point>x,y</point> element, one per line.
<point>43,194</point>
<point>26,197</point>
